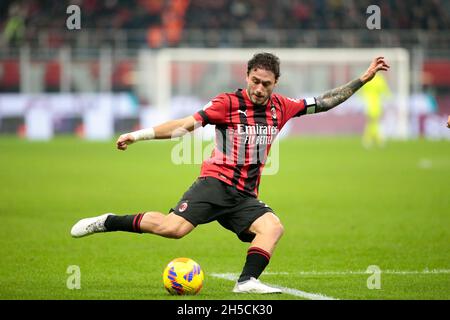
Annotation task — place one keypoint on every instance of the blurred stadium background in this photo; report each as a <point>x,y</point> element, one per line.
<point>106,77</point>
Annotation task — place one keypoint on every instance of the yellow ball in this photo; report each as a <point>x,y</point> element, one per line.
<point>183,276</point>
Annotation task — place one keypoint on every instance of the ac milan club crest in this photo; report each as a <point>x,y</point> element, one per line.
<point>183,207</point>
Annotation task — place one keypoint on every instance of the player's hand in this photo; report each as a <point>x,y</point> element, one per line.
<point>377,64</point>
<point>448,122</point>
<point>124,140</point>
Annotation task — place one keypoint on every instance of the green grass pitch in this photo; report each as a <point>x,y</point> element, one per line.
<point>344,208</point>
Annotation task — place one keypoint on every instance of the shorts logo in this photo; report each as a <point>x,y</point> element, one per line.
<point>183,207</point>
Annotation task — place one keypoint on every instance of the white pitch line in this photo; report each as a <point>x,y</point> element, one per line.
<point>358,272</point>
<point>349,272</point>
<point>294,292</point>
<point>318,296</point>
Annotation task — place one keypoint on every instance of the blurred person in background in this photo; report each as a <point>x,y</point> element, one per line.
<point>374,94</point>
<point>14,30</point>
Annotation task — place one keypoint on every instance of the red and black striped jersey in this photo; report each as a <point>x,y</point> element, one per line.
<point>244,135</point>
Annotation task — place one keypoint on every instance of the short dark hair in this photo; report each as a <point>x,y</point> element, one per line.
<point>266,61</point>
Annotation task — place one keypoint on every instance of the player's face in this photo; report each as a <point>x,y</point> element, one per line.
<point>260,84</point>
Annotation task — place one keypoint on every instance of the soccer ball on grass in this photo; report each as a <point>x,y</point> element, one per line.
<point>183,276</point>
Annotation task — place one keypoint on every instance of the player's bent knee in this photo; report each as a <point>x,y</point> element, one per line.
<point>277,230</point>
<point>268,225</point>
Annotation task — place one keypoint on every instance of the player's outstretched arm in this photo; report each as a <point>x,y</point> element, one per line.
<point>167,130</point>
<point>336,96</point>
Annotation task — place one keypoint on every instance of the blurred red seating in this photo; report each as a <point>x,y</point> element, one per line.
<point>9,75</point>
<point>52,75</point>
<point>437,72</point>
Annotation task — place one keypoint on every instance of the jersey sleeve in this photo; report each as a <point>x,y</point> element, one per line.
<point>299,107</point>
<point>214,112</point>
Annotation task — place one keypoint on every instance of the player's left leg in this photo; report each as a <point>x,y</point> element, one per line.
<point>267,230</point>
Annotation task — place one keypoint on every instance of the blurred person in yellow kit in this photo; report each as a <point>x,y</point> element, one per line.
<point>373,95</point>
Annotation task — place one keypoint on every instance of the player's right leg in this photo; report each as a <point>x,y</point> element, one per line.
<point>169,226</point>
<point>194,208</point>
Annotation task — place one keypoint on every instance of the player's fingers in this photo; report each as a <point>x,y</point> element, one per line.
<point>123,141</point>
<point>383,66</point>
<point>382,62</point>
